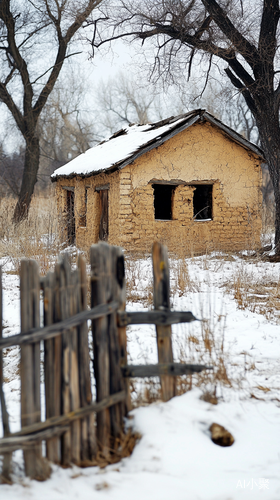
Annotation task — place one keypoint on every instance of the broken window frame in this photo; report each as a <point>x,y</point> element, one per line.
<point>70,214</point>
<point>198,207</point>
<point>83,216</point>
<point>158,207</point>
<point>104,211</point>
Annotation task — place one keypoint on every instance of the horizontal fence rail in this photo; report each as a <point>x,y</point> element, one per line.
<point>124,318</point>
<point>171,369</point>
<point>27,442</point>
<point>49,332</point>
<point>53,424</point>
<point>154,317</point>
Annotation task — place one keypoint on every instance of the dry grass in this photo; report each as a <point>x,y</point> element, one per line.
<point>183,284</point>
<point>123,447</point>
<point>205,348</point>
<point>268,218</point>
<point>257,292</point>
<point>38,237</point>
<point>139,283</point>
<point>204,345</point>
<point>145,391</point>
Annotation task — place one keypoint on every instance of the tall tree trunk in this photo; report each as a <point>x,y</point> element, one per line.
<point>29,179</point>
<point>269,130</point>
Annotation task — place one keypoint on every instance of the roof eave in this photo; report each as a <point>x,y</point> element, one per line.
<point>144,149</point>
<point>154,143</point>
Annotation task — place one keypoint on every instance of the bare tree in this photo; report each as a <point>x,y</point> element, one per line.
<point>243,35</point>
<point>66,127</point>
<point>35,40</point>
<point>11,169</point>
<point>122,101</point>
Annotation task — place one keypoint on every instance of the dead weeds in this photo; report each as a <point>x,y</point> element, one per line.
<point>123,447</point>
<point>258,292</point>
<point>38,237</point>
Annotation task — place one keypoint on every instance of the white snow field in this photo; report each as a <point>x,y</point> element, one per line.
<point>175,458</point>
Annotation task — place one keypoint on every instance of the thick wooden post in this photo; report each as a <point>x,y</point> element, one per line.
<point>35,466</point>
<point>6,468</point>
<point>120,295</point>
<point>162,302</point>
<point>53,360</point>
<point>62,272</point>
<point>107,285</point>
<point>52,366</point>
<point>117,383</point>
<point>70,398</point>
<point>88,436</point>
<point>100,272</point>
<point>74,370</point>
<point>67,371</point>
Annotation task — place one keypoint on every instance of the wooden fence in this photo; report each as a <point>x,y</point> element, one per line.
<point>74,428</point>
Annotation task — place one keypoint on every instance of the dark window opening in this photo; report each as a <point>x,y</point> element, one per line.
<point>104,215</point>
<point>163,195</point>
<point>71,232</point>
<point>83,216</point>
<point>202,202</point>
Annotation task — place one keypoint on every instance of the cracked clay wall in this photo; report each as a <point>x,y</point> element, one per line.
<point>200,154</point>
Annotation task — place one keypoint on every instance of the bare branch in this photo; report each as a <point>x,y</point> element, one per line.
<point>49,69</point>
<point>239,85</point>
<point>245,48</point>
<point>6,98</point>
<point>8,19</point>
<point>34,32</point>
<point>9,77</point>
<point>61,54</point>
<point>207,75</point>
<point>80,19</point>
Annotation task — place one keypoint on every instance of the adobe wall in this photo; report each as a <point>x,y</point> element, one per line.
<point>88,234</point>
<point>200,153</point>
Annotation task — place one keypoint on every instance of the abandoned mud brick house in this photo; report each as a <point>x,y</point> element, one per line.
<point>188,181</point>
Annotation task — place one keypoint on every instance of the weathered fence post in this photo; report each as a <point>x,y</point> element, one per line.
<point>162,302</point>
<point>68,283</point>
<point>100,269</point>
<point>108,284</point>
<point>35,466</point>
<point>6,468</point>
<point>62,271</point>
<point>67,370</point>
<point>74,369</point>
<point>116,286</point>
<point>88,436</point>
<point>120,295</point>
<point>52,366</point>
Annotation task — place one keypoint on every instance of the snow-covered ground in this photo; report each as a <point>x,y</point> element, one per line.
<point>175,456</point>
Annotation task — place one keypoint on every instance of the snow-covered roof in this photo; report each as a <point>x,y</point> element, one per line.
<point>127,144</point>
